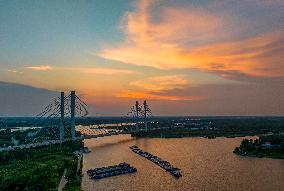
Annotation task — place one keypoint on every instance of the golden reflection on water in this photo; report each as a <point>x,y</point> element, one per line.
<point>207,164</point>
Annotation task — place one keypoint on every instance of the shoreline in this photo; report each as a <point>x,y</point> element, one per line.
<point>260,155</point>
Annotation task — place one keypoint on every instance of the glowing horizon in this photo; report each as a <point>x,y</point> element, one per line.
<point>199,58</point>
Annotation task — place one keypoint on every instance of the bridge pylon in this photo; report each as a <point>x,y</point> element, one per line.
<point>145,114</point>
<point>72,109</point>
<point>62,111</point>
<point>137,114</point>
<point>138,111</point>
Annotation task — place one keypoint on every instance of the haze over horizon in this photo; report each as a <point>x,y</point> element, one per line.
<point>184,57</point>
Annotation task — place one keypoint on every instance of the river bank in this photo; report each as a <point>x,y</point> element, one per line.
<point>271,146</point>
<point>206,133</point>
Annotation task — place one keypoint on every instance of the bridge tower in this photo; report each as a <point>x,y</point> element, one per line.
<point>72,109</point>
<point>62,110</point>
<point>145,115</point>
<point>137,114</point>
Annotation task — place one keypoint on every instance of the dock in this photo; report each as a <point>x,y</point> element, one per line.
<point>160,162</point>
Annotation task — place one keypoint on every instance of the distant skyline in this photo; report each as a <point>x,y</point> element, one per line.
<point>185,57</point>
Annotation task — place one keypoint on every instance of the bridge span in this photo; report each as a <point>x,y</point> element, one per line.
<point>100,134</point>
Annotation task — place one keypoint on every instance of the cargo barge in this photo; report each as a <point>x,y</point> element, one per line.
<point>160,162</point>
<point>109,171</point>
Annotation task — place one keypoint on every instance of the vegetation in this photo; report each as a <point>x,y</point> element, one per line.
<point>7,137</point>
<point>40,168</point>
<point>204,126</point>
<point>269,146</point>
<point>217,127</point>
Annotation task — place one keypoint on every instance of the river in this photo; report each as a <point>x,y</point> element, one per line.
<point>206,164</point>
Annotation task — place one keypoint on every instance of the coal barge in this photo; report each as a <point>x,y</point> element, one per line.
<point>109,171</point>
<point>160,162</point>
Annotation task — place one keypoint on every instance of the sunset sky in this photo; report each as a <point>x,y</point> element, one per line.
<point>186,57</point>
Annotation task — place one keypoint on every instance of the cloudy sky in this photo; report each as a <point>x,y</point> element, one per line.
<point>198,57</point>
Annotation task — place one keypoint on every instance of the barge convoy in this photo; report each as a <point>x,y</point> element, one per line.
<point>109,171</point>
<point>160,162</point>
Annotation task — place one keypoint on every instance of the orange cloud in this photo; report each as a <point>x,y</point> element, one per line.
<point>173,24</point>
<point>152,96</point>
<point>186,38</point>
<point>15,71</point>
<point>161,83</point>
<point>104,71</point>
<point>40,68</point>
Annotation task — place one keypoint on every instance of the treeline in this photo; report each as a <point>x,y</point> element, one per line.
<point>66,148</point>
<point>6,137</point>
<point>220,122</point>
<point>216,127</point>
<point>25,137</point>
<point>267,123</point>
<point>270,146</point>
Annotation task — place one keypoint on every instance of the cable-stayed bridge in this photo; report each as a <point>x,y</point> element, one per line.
<point>57,122</point>
<point>58,118</point>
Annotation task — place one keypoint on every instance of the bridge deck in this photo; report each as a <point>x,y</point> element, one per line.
<point>104,133</point>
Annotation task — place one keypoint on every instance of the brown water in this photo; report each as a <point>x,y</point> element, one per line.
<point>207,164</point>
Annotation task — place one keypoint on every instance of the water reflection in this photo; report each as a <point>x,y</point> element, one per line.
<point>207,164</point>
